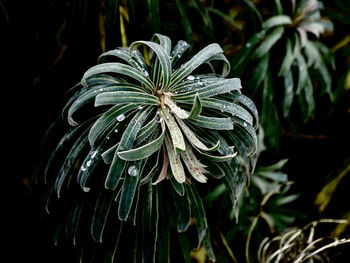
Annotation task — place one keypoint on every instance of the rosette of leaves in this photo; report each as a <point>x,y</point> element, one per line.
<point>287,46</point>
<point>152,114</point>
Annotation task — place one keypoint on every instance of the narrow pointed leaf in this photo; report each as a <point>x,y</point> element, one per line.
<point>145,150</point>
<point>123,97</point>
<point>203,55</point>
<point>107,120</point>
<point>193,165</point>
<point>183,212</point>
<point>191,136</point>
<point>121,69</point>
<point>278,20</point>
<point>198,213</point>
<point>213,89</point>
<point>175,132</point>
<point>117,167</point>
<point>129,190</point>
<point>162,57</point>
<point>268,42</point>
<point>175,162</point>
<point>213,123</point>
<point>101,211</point>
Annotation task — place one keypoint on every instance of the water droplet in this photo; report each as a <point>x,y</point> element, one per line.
<point>133,171</point>
<point>88,163</point>
<point>82,168</point>
<point>145,73</point>
<point>159,119</point>
<point>93,154</point>
<point>190,77</point>
<point>248,45</point>
<point>121,117</point>
<point>115,130</point>
<point>140,107</point>
<point>245,124</point>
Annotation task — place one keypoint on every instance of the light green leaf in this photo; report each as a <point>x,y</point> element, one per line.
<point>123,97</point>
<point>193,165</point>
<point>288,59</point>
<point>213,123</point>
<point>145,150</point>
<point>118,165</point>
<point>175,162</point>
<point>202,56</point>
<point>129,189</point>
<point>163,58</point>
<point>268,42</point>
<point>212,89</point>
<point>247,103</point>
<point>106,121</point>
<point>232,108</point>
<point>122,69</point>
<point>278,20</point>
<point>191,136</point>
<point>288,93</point>
<point>175,132</point>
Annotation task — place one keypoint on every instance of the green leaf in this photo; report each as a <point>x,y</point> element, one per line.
<point>89,165</point>
<point>202,56</point>
<point>122,69</point>
<point>71,159</point>
<point>288,93</point>
<point>135,59</point>
<point>145,150</point>
<point>212,89</point>
<point>179,188</point>
<point>175,162</point>
<point>183,211</point>
<point>175,132</point>
<point>260,72</point>
<point>198,213</point>
<point>288,59</point>
<point>268,42</point>
<point>180,48</point>
<point>247,103</point>
<point>303,73</point>
<point>191,136</point>
<point>117,167</point>
<point>213,123</point>
<point>129,189</point>
<point>196,108</point>
<point>108,120</point>
<point>90,95</point>
<point>101,211</point>
<point>163,58</point>
<point>229,107</point>
<point>193,165</point>
<point>278,20</point>
<point>150,219</point>
<point>123,97</point>
<point>233,178</point>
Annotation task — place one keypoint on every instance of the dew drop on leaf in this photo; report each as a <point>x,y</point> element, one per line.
<point>133,171</point>
<point>190,77</point>
<point>121,117</point>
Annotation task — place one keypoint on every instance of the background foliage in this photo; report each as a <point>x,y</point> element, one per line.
<point>48,45</point>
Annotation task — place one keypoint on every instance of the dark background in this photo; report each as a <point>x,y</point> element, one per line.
<point>43,56</point>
